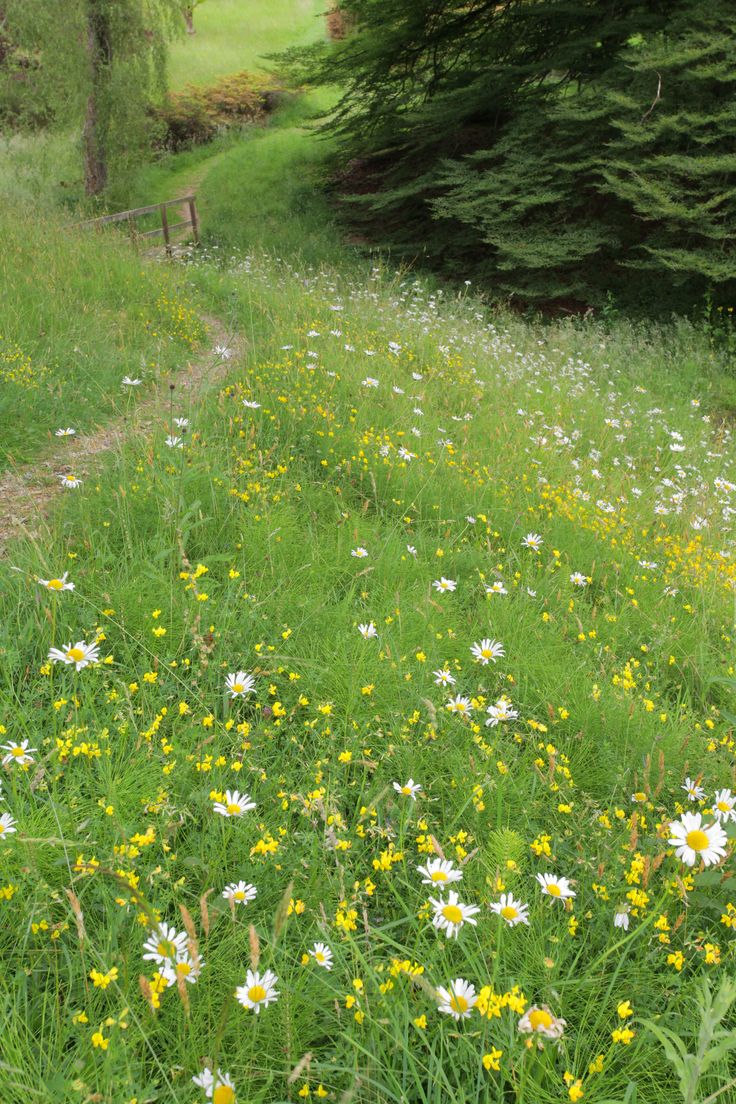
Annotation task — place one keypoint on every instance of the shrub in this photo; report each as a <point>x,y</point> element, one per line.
<point>197,113</point>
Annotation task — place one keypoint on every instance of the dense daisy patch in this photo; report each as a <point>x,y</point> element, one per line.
<point>367,731</point>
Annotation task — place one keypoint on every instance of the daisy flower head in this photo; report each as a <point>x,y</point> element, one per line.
<point>369,381</point>
<point>21,753</point>
<point>621,918</point>
<point>538,1020</point>
<point>251,404</point>
<point>578,579</point>
<point>458,1000</point>
<point>439,872</point>
<point>409,789</point>
<point>68,432</point>
<point>234,805</point>
<point>559,888</point>
<point>442,584</point>
<point>79,655</point>
<point>128,382</point>
<point>164,944</point>
<point>70,481</point>
<point>219,1087</point>
<point>240,893</point>
<point>496,588</point>
<point>724,806</point>
<point>174,442</point>
<point>181,423</point>
<point>452,914</point>
<point>411,550</point>
<point>184,966</point>
<point>511,910</point>
<point>501,711</point>
<point>258,992</point>
<point>322,955</point>
<point>223,352</point>
<point>359,553</point>
<point>369,631</point>
<point>486,650</point>
<point>56,584</point>
<point>239,684</point>
<point>444,677</point>
<point>460,705</point>
<point>693,790</point>
<point>533,541</point>
<point>695,842</point>
<point>7,825</point>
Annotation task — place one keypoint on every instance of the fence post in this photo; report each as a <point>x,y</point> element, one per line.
<point>195,220</point>
<point>165,227</point>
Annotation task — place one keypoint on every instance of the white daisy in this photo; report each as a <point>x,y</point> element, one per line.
<point>693,790</point>
<point>259,990</point>
<point>239,684</point>
<point>164,944</point>
<point>486,650</point>
<point>7,825</point>
<point>223,352</point>
<point>533,541</point>
<point>359,553</point>
<point>724,806</point>
<point>219,1088</point>
<point>369,631</point>
<point>460,705</point>
<point>444,584</point>
<point>540,1021</point>
<point>18,753</point>
<point>251,404</point>
<point>694,841</point>
<point>234,805</point>
<point>411,550</point>
<point>174,442</point>
<point>184,966</point>
<point>578,579</point>
<point>511,910</point>
<point>501,711</point>
<point>322,955</point>
<point>240,893</point>
<point>496,588</point>
<point>559,888</point>
<point>621,918</point>
<point>128,382</point>
<point>458,1000</point>
<point>57,584</point>
<point>68,432</point>
<point>439,872</point>
<point>80,654</point>
<point>452,914</point>
<point>409,789</point>
<point>443,677</point>
<point>70,481</point>
<point>181,423</point>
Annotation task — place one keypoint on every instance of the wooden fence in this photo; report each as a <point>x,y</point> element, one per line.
<point>166,229</point>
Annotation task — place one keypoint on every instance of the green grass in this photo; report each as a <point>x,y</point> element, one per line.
<point>234,35</point>
<point>234,553</point>
<point>80,312</point>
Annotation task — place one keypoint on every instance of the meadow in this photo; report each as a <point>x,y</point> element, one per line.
<point>366,713</point>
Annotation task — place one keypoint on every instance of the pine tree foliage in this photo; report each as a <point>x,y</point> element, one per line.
<point>555,149</point>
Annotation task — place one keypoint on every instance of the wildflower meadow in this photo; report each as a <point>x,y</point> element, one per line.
<point>367,722</point>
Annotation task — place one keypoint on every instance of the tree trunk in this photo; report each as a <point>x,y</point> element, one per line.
<point>99,50</point>
<point>189,18</point>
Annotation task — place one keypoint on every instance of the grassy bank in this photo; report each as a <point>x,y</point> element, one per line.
<point>369,415</point>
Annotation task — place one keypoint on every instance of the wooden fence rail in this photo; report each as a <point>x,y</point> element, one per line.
<point>166,229</point>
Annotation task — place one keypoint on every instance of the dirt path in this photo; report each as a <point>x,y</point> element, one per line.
<point>28,493</point>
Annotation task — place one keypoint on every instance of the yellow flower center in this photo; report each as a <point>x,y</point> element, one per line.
<point>54,584</point>
<point>406,790</point>
<point>486,653</point>
<point>539,1019</point>
<point>166,948</point>
<point>509,912</point>
<point>17,752</point>
<point>697,840</point>
<point>453,914</point>
<point>723,806</point>
<point>256,993</point>
<point>238,688</point>
<point>183,968</point>
<point>319,956</point>
<point>238,895</point>
<point>75,654</point>
<point>223,1094</point>
<point>554,890</point>
<point>2,828</point>
<point>439,876</point>
<point>233,809</point>
<point>458,1003</point>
